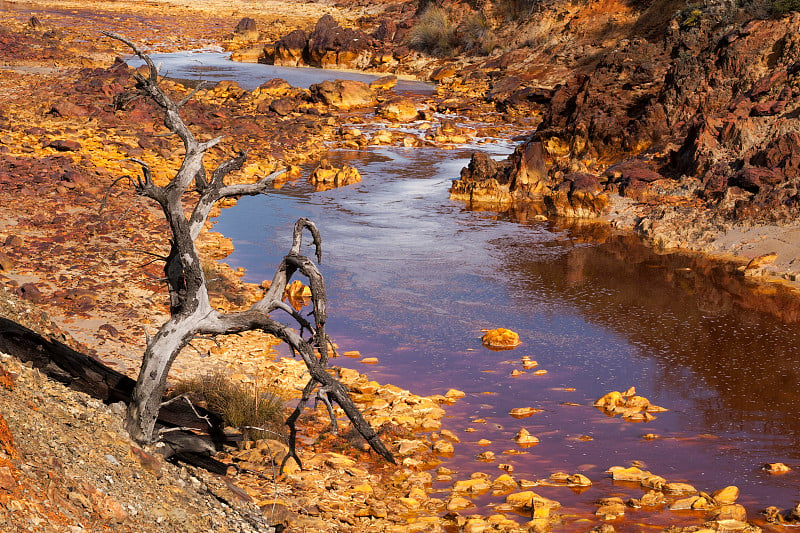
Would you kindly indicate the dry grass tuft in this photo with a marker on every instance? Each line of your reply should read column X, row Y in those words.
column 242, row 405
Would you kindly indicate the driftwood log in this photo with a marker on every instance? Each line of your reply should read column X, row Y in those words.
column 191, row 314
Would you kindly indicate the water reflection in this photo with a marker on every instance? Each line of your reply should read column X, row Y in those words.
column 414, row 277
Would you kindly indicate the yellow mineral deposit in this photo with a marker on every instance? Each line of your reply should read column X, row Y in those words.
column 355, row 354
column 297, row 294
column 726, row 496
column 484, row 442
column 523, row 412
column 474, row 486
column 500, row 339
column 620, row 473
column 528, row 363
column 449, row 435
column 503, row 485
column 454, row 394
column 628, row 405
column 443, row 447
column 370, row 360
column 458, row 503
column 776, row 468
column 486, row 457
column 524, row 439
column 530, row 502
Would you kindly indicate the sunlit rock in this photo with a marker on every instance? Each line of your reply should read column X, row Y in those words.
column 732, row 511
column 472, row 486
column 458, row 503
column 527, row 501
column 384, row 83
column 727, row 495
column 610, row 508
column 776, row 468
column 443, row 447
column 500, row 339
column 454, row 394
column 504, row 482
column 475, row 525
column 628, row 405
column 398, row 109
column 449, row 435
column 343, row 94
column 679, row 488
column 579, row 480
column 524, row 439
column 326, row 176
column 523, row 412
column 486, row 457
column 649, row 499
column 619, row 473
column 651, row 481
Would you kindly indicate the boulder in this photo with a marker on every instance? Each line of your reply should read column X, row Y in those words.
column 283, row 106
column 289, row 50
column 271, row 89
column 384, row 83
column 580, row 195
column 68, row 110
column 528, row 174
column 343, row 94
column 326, row 176
column 246, row 30
column 331, row 46
column 483, row 182
column 398, row 109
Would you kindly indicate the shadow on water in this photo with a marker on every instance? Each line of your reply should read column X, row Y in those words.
column 413, row 278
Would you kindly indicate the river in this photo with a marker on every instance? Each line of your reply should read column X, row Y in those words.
column 414, row 277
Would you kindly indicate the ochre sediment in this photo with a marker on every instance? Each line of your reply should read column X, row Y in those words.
column 664, row 147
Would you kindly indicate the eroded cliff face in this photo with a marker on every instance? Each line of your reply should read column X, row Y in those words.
column 703, row 112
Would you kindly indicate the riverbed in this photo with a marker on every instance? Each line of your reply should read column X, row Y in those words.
column 413, row 278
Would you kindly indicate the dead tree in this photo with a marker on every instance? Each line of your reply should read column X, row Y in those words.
column 191, row 314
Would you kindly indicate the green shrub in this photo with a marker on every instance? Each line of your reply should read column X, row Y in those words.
column 240, row 404
column 434, row 33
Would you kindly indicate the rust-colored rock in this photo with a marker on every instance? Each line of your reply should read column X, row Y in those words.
column 398, row 109
column 343, row 94
column 500, row 339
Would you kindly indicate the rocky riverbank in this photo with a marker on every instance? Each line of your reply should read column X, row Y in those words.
column 647, row 155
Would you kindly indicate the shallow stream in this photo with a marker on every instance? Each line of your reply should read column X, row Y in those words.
column 414, row 277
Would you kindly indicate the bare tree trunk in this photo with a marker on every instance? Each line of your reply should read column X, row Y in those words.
column 145, row 402
column 191, row 313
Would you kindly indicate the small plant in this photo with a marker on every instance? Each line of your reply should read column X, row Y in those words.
column 241, row 405
column 477, row 33
column 434, row 33
column 781, row 7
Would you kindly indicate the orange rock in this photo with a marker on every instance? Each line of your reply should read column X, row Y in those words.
column 7, row 441
column 500, row 339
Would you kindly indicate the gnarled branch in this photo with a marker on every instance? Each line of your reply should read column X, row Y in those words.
column 191, row 314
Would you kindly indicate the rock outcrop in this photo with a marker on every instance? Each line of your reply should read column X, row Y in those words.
column 329, row 45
